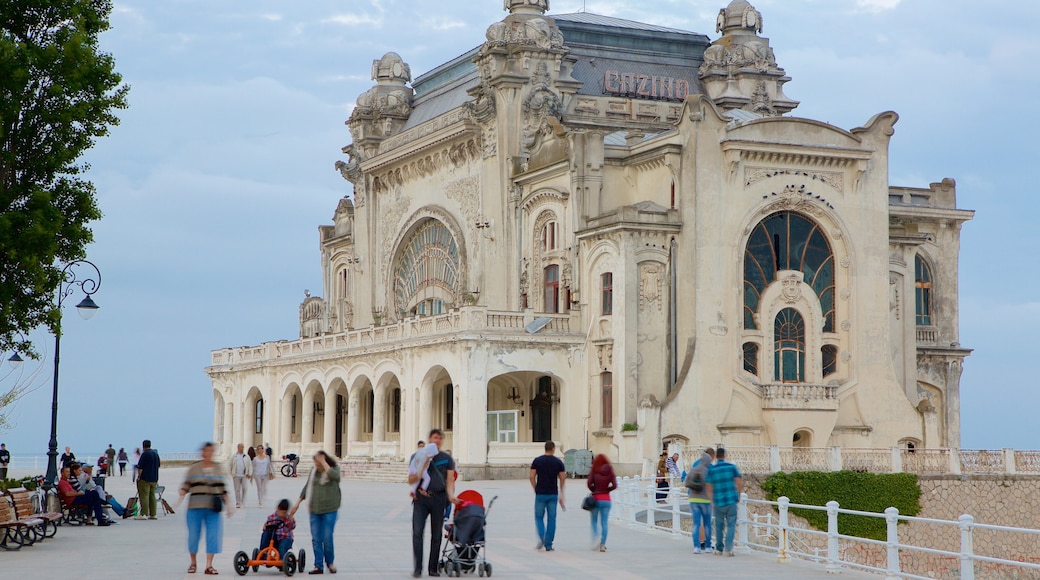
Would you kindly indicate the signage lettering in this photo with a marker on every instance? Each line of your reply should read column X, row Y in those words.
column 640, row 85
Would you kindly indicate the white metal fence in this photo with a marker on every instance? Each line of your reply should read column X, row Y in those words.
column 636, row 504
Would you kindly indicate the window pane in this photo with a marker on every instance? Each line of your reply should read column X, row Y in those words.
column 830, row 359
column 751, row 357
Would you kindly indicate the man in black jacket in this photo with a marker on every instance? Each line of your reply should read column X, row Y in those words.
column 147, row 480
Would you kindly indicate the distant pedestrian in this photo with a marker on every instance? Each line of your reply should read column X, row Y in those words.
column 5, row 461
column 672, row 465
column 700, row 501
column 662, row 477
column 601, row 482
column 68, row 457
column 209, row 497
column 122, row 458
column 325, row 497
column 725, row 485
column 147, row 480
column 548, row 476
column 251, row 453
column 262, row 473
column 137, row 462
column 110, row 460
column 430, row 503
column 241, row 468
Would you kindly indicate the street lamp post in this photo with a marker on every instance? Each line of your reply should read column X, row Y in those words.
column 89, row 284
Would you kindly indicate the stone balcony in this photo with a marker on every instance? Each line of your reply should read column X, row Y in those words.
column 799, row 396
column 927, row 335
column 466, row 323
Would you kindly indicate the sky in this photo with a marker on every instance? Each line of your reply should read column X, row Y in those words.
column 214, row 183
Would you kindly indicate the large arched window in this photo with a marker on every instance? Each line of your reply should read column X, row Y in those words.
column 788, row 241
column 923, row 291
column 789, row 346
column 427, row 270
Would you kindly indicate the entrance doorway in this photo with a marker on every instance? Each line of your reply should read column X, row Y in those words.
column 541, row 411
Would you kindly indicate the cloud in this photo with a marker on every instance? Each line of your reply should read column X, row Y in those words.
column 355, row 20
column 271, row 17
column 877, row 5
column 442, row 23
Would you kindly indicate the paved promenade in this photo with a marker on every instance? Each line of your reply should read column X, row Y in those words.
column 373, row 540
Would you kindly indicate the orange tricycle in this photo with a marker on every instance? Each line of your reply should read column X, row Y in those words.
column 269, row 557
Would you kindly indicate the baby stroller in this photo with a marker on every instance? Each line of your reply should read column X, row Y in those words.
column 464, row 549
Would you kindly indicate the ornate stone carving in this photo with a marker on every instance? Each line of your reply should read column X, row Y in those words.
column 796, row 198
column 605, row 354
column 540, row 111
column 482, row 110
column 383, row 109
column 893, row 296
column 791, row 287
column 565, row 274
column 466, row 192
column 539, row 33
column 449, row 157
column 719, row 328
column 846, row 325
column 651, row 280
column 753, row 175
column 512, row 5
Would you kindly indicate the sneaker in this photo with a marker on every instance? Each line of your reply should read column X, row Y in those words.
column 729, row 553
column 549, row 548
column 540, row 545
column 696, row 550
column 140, row 517
column 602, row 548
column 103, row 523
column 718, row 552
column 152, row 518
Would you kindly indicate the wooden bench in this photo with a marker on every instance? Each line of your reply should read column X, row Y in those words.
column 78, row 515
column 16, row 532
column 21, row 499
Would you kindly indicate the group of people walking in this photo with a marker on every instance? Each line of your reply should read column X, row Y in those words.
column 206, row 491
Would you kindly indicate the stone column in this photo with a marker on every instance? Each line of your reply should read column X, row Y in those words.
column 379, row 416
column 307, row 417
column 328, row 439
column 354, row 417
column 425, row 410
column 229, row 428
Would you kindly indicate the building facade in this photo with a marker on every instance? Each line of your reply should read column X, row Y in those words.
column 611, row 235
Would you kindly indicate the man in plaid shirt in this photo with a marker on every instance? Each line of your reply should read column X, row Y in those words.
column 283, row 535
column 724, row 484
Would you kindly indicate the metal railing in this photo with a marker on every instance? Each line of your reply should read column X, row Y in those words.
column 636, row 504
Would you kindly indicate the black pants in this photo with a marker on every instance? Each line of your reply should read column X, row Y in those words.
column 662, row 489
column 428, row 507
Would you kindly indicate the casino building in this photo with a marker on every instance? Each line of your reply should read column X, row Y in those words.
column 612, row 235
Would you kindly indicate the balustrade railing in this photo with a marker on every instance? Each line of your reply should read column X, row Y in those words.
column 470, row 318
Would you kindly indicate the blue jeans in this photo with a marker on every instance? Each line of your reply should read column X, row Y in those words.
column 599, row 519
column 701, row 513
column 116, row 506
column 725, row 514
column 545, row 505
column 282, row 546
column 199, row 517
column 322, row 528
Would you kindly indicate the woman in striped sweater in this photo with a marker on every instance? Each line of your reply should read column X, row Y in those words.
column 205, row 482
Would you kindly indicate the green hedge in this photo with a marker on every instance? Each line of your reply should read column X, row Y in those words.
column 868, row 492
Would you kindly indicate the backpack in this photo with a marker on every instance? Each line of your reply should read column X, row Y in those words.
column 694, row 481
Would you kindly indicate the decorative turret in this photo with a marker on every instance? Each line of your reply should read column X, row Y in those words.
column 740, row 70
column 526, row 6
column 382, row 110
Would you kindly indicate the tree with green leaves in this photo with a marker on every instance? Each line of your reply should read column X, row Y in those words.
column 58, row 94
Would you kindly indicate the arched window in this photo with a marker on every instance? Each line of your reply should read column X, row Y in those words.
column 259, row 416
column 788, row 241
column 923, row 291
column 552, row 289
column 449, row 407
column 751, row 357
column 789, row 346
column 292, row 417
column 829, row 355
column 427, row 270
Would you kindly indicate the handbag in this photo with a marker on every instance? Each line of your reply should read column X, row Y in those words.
column 218, row 503
column 589, row 503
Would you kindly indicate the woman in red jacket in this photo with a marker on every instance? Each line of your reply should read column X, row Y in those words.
column 601, row 482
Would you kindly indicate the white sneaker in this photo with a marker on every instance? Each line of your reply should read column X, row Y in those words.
column 729, row 553
column 696, row 550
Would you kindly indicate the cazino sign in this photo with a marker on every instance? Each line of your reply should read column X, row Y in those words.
column 634, row 84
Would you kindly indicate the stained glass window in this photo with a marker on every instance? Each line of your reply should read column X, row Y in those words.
column 789, row 346
column 788, row 241
column 751, row 357
column 829, row 354
column 429, row 260
column 923, row 291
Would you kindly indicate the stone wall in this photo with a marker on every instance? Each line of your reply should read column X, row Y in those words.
column 994, row 500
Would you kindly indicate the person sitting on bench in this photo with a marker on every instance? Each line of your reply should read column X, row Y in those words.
column 73, row 496
column 86, row 480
